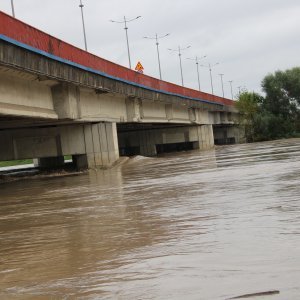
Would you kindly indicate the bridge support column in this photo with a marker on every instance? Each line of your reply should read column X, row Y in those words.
column 205, row 137
column 147, row 143
column 49, row 162
column 101, row 146
column 228, row 134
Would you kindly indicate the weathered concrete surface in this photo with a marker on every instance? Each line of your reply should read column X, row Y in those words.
column 22, row 95
column 47, row 69
column 27, row 96
column 36, row 86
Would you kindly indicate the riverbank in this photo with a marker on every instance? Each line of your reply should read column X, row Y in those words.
column 11, row 163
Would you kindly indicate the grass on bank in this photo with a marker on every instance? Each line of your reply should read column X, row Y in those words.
column 10, row 163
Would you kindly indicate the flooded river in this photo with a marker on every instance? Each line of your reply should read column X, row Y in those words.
column 194, row 225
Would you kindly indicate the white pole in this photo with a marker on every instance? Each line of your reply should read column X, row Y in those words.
column 12, row 8
column 231, row 89
column 128, row 51
column 84, row 34
column 221, row 75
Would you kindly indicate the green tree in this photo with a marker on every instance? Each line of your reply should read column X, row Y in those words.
column 277, row 115
column 292, row 84
column 282, row 100
column 248, row 105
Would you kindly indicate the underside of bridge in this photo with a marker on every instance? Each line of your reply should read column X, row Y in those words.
column 152, row 139
column 101, row 144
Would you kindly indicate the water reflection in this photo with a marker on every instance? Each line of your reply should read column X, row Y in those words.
column 194, row 225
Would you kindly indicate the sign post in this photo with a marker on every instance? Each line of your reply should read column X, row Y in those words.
column 139, row 68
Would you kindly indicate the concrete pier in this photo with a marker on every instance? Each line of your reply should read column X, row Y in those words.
column 101, row 144
column 49, row 162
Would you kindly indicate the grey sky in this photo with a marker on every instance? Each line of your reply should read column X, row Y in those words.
column 249, row 38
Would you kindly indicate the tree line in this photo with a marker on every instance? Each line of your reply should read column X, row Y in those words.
column 276, row 114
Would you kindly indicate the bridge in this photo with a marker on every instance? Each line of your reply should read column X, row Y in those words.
column 57, row 100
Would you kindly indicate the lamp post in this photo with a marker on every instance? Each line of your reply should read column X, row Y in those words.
column 210, row 66
column 12, row 8
column 126, row 29
column 230, row 81
column 196, row 59
column 157, row 38
column 179, row 50
column 221, row 75
column 83, row 26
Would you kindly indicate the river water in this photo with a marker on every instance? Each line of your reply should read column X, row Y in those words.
column 193, row 225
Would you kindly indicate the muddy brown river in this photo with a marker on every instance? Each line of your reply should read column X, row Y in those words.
column 194, row 225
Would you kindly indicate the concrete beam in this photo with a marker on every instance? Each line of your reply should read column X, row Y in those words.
column 25, row 97
column 23, row 59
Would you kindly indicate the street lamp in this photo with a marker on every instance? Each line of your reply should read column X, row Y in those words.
column 179, row 55
column 84, row 34
column 157, row 48
column 230, row 81
column 210, row 66
column 126, row 29
column 221, row 75
column 12, row 8
column 196, row 59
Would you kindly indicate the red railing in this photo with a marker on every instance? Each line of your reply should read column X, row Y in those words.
column 28, row 35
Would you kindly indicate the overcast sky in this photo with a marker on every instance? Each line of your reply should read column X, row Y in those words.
column 249, row 38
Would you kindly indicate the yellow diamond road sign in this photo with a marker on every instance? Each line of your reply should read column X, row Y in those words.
column 139, row 67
